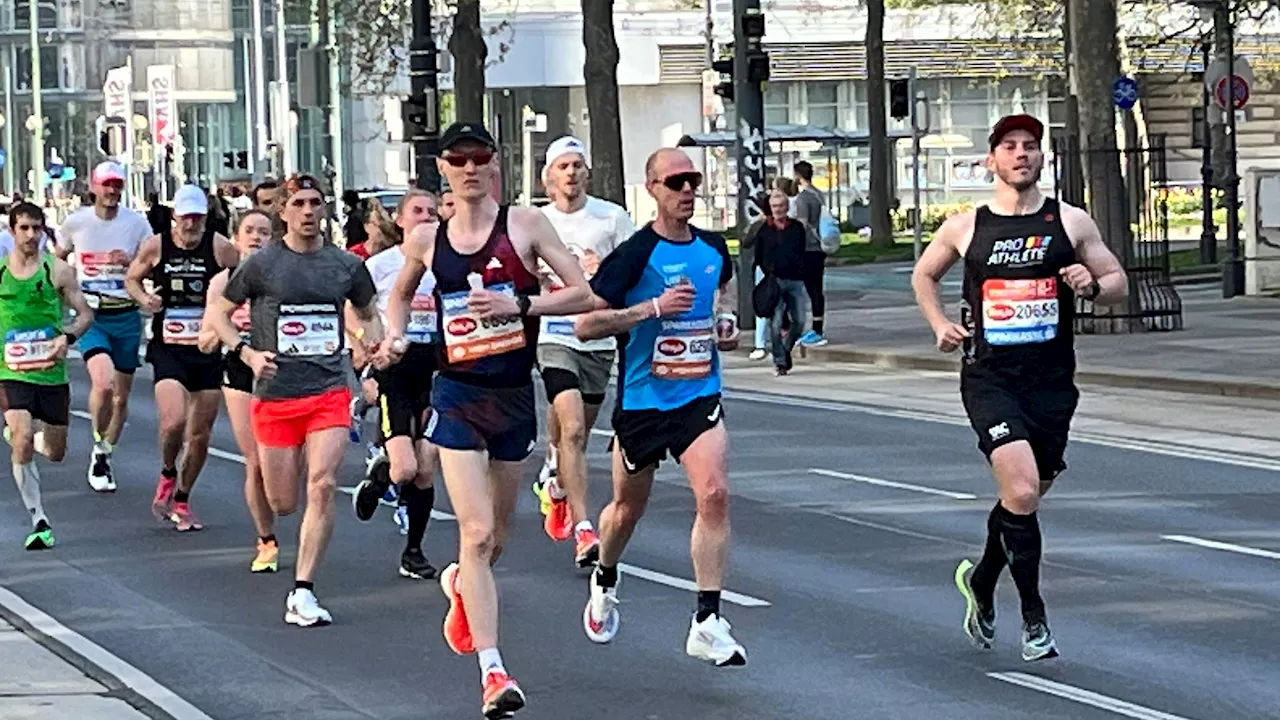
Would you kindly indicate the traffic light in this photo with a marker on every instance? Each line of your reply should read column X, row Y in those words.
column 242, row 159
column 229, row 160
column 725, row 87
column 757, row 66
column 113, row 136
column 900, row 98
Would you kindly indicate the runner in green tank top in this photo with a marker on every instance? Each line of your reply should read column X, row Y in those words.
column 34, row 288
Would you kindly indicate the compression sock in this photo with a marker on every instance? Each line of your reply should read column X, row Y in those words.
column 418, row 503
column 1022, row 544
column 987, row 572
column 708, row 604
column 27, row 478
column 606, row 577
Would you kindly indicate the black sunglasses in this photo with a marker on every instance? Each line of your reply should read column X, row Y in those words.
column 677, row 182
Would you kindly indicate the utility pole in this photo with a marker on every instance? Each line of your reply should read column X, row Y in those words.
column 37, row 106
column 333, row 121
column 750, row 72
column 10, row 160
column 259, row 93
column 1233, row 267
column 1208, row 230
column 421, row 112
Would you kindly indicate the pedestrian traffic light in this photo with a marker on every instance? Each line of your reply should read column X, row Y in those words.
column 229, row 160
column 242, row 160
column 725, row 87
column 757, row 66
column 900, row 98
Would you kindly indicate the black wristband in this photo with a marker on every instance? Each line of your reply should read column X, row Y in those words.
column 239, row 348
column 71, row 338
column 1093, row 291
column 524, row 303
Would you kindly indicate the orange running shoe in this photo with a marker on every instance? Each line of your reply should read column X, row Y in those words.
column 502, row 696
column 162, row 503
column 457, row 631
column 558, row 522
column 587, row 547
column 183, row 519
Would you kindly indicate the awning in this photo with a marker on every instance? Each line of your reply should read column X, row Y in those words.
column 791, row 134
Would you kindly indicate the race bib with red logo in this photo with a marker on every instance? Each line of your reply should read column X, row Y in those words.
column 102, row 279
column 1019, row 312
column 182, row 325
column 26, row 350
column 684, row 350
column 308, row 330
column 240, row 319
column 422, row 320
column 467, row 336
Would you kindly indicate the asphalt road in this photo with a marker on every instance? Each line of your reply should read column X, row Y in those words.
column 854, row 562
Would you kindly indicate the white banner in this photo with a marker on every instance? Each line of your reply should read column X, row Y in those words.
column 160, row 105
column 116, row 100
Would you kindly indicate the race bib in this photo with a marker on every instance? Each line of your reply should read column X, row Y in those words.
column 467, row 336
column 240, row 319
column 1019, row 312
column 99, row 275
column 308, row 331
column 422, row 320
column 684, row 350
column 560, row 325
column 182, row 325
column 29, row 349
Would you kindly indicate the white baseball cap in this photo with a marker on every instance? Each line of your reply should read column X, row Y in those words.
column 107, row 171
column 190, row 200
column 564, row 146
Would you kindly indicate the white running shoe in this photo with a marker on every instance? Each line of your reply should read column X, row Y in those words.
column 100, row 478
column 710, row 640
column 302, row 609
column 758, row 354
column 600, row 619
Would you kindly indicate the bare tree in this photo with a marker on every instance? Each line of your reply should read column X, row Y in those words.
column 881, row 150
column 600, row 71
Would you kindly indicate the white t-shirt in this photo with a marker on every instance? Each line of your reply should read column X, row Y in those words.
column 590, row 234
column 385, row 268
column 92, row 241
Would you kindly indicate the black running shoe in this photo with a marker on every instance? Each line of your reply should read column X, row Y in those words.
column 369, row 492
column 414, row 565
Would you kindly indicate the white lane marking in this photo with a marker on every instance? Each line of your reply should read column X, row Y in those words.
column 435, row 514
column 893, row 484
column 1084, row 697
column 216, row 452
column 1229, row 547
column 602, row 433
column 1147, row 446
column 682, row 584
column 128, row 675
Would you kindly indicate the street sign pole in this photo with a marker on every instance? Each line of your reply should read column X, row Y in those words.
column 1233, row 268
column 748, row 99
column 918, row 223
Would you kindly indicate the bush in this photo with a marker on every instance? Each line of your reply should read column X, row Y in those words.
column 934, row 215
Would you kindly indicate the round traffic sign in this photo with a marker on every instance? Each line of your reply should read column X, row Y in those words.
column 1241, row 88
column 1125, row 93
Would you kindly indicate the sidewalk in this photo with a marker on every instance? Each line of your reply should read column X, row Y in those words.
column 1227, row 347
column 36, row 684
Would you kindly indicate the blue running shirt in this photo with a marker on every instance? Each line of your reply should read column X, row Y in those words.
column 666, row 363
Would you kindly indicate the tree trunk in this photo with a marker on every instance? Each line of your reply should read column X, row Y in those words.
column 470, row 54
column 600, row 71
column 881, row 150
column 1097, row 62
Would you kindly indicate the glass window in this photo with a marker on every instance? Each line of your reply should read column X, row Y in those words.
column 822, row 103
column 48, row 67
column 821, row 93
column 22, row 17
column 968, row 114
column 1018, row 95
column 777, row 104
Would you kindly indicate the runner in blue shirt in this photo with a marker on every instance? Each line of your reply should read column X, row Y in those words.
column 667, row 291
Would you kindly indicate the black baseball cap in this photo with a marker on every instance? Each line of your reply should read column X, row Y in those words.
column 1009, row 123
column 460, row 132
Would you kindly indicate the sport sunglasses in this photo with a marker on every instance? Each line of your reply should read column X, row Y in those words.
column 677, row 182
column 459, row 160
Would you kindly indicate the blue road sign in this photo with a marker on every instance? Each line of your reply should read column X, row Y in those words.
column 55, row 170
column 3, row 157
column 1125, row 93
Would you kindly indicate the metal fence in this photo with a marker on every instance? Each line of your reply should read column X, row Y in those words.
column 1154, row 303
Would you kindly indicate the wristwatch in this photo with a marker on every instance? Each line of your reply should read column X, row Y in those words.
column 524, row 303
column 1092, row 291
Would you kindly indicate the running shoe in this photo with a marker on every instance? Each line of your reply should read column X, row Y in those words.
column 268, row 558
column 540, row 492
column 414, row 565
column 812, row 339
column 369, row 492
column 457, row 631
column 710, row 640
column 979, row 621
column 758, row 354
column 401, row 519
column 100, row 478
column 502, row 696
column 302, row 609
column 558, row 523
column 183, row 519
column 162, row 503
column 600, row 619
column 587, row 547
column 41, row 538
column 8, row 434
column 1037, row 641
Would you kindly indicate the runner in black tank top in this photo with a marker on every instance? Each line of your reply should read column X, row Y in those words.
column 187, row 380
column 1024, row 266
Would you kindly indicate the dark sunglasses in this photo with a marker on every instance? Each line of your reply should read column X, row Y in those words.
column 479, row 157
column 677, row 182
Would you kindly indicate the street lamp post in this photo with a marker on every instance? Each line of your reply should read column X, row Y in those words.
column 1233, row 268
column 37, row 106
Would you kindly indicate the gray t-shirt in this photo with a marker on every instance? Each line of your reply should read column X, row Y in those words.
column 809, row 211
column 296, row 303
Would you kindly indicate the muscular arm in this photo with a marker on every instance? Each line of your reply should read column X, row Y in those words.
column 1093, row 253
column 143, row 263
column 65, row 278
column 367, row 315
column 933, row 265
column 208, row 341
column 576, row 295
column 418, row 250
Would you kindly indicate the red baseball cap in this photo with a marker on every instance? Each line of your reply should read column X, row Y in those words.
column 1009, row 123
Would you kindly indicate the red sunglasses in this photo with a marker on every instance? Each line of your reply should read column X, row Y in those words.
column 479, row 157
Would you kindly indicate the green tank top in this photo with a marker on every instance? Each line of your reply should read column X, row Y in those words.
column 30, row 320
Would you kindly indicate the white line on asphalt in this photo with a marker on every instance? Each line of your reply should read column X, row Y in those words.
column 602, row 433
column 682, row 584
column 1084, row 697
column 1229, row 547
column 435, row 514
column 893, row 484
column 128, row 675
column 1157, row 448
column 216, row 452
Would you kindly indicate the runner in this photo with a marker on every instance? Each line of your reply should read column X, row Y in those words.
column 35, row 287
column 1026, row 260
column 661, row 287
column 297, row 290
column 104, row 239
column 180, row 264
column 253, row 231
column 575, row 373
column 484, row 260
column 404, row 399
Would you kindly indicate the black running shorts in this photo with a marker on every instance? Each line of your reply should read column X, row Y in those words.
column 1035, row 409
column 50, row 404
column 404, row 393
column 647, row 436
column 196, row 371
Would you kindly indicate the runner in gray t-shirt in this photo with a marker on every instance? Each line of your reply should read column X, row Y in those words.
column 297, row 290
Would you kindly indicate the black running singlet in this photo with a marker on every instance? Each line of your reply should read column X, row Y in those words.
column 1016, row 305
column 494, row 352
column 181, row 280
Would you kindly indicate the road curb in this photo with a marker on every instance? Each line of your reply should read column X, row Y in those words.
column 1222, row 386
